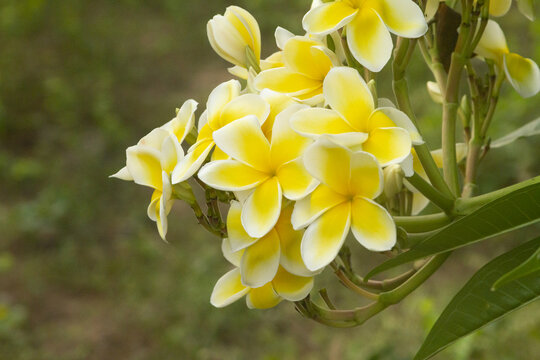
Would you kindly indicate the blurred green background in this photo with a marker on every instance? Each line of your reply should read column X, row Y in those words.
column 83, row 272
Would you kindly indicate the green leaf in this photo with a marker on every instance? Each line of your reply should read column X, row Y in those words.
column 529, row 129
column 475, row 305
column 512, row 211
column 529, row 266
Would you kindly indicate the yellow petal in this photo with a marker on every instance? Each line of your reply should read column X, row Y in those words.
column 247, row 27
column 226, row 40
column 400, row 119
column 311, row 207
column 286, row 144
column 492, row 44
column 499, row 7
column 372, row 225
column 171, row 153
column 193, row 160
column 165, row 205
column 154, row 139
column 312, row 98
column 369, row 40
column 153, row 207
column 218, row 154
column 219, row 97
column 260, row 261
column 144, row 165
column 238, row 237
column 261, row 209
column 278, row 102
column 313, row 122
column 330, row 164
column 402, row 17
column 243, row 140
column 327, row 18
column 286, row 81
column 301, row 55
column 239, row 72
column 292, row 287
column 388, row 145
column 294, row 179
column 262, row 298
column 325, row 236
column 182, row 124
column 290, row 241
column 366, row 177
column 347, row 93
column 228, row 289
column 231, row 175
column 523, row 74
column 234, row 257
column 242, row 106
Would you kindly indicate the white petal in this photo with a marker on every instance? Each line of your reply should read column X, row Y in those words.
column 123, row 174
column 228, row 289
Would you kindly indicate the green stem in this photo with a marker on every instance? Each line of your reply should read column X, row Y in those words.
column 355, row 317
column 396, row 295
column 450, row 103
column 466, row 206
column 422, row 223
column 443, row 202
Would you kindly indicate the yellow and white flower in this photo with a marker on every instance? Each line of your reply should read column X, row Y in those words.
column 261, row 257
column 229, row 288
column 225, row 104
column 306, row 63
column 232, row 34
column 344, row 200
column 501, row 7
column 522, row 73
column 368, row 25
column 151, row 162
column 269, row 169
column 353, row 121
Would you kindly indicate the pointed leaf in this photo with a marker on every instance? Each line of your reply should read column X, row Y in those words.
column 512, row 211
column 529, row 266
column 529, row 129
column 475, row 305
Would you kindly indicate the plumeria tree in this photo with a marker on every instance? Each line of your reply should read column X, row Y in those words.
column 299, row 159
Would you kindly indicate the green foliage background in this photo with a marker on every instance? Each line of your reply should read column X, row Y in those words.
column 83, row 273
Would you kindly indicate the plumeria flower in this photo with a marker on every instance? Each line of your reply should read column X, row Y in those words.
column 419, row 200
column 152, row 160
column 344, row 200
column 262, row 257
column 522, row 73
column 284, row 285
column 353, row 121
column 225, row 104
column 501, row 7
column 306, row 63
column 368, row 26
column 235, row 34
column 269, row 169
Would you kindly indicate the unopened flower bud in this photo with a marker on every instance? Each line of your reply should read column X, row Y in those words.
column 393, row 180
column 235, row 36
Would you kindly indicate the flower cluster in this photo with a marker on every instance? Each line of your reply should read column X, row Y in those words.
column 300, row 147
